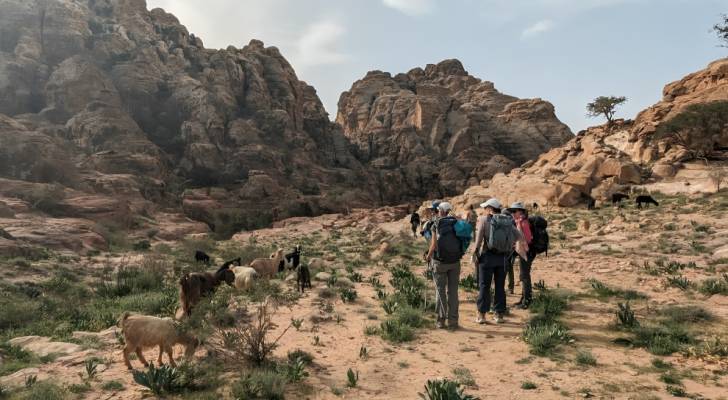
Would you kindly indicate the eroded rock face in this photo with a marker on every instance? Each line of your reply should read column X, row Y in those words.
column 95, row 92
column 601, row 161
column 439, row 129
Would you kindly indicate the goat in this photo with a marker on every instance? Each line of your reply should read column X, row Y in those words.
column 244, row 277
column 201, row 256
column 535, row 206
column 618, row 197
column 196, row 285
column 235, row 261
column 267, row 267
column 303, row 277
column 645, row 199
column 143, row 331
column 290, row 260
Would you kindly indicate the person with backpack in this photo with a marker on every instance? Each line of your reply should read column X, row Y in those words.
column 472, row 218
column 520, row 215
column 415, row 222
column 427, row 226
column 443, row 259
column 495, row 240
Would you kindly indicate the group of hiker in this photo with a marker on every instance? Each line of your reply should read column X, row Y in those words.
column 500, row 235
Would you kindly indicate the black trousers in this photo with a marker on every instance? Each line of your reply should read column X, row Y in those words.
column 509, row 272
column 525, row 276
column 492, row 272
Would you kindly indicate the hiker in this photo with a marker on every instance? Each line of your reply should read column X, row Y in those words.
column 520, row 215
column 472, row 218
column 509, row 268
column 494, row 243
column 415, row 222
column 427, row 226
column 443, row 259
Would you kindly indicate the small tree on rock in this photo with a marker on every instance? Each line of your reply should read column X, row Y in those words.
column 721, row 29
column 605, row 106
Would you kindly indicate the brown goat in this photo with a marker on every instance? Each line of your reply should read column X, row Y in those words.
column 196, row 285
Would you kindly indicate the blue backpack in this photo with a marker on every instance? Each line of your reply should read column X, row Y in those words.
column 464, row 232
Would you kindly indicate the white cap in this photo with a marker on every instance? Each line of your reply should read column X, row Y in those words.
column 491, row 203
column 445, row 206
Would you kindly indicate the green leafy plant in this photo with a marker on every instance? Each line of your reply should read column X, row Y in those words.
column 363, row 352
column 158, row 380
column 464, row 377
column 91, row 366
column 444, row 389
column 300, row 354
column 348, row 295
column 540, row 285
column 544, row 337
column 260, row 384
column 296, row 371
column 469, row 283
column 112, row 386
column 390, row 305
column 625, row 316
column 395, row 331
column 30, row 380
column 713, row 286
column 585, row 358
column 676, row 391
column 297, row 323
column 679, row 282
column 356, row 277
column 528, row 385
column 352, row 378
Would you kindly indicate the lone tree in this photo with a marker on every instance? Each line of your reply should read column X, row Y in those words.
column 605, row 105
column 721, row 29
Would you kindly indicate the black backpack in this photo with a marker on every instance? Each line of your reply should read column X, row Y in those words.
column 540, row 242
column 449, row 248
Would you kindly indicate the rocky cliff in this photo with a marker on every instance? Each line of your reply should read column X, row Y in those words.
column 107, row 97
column 631, row 155
column 437, row 130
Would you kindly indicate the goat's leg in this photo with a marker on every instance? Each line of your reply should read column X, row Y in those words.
column 127, row 350
column 141, row 356
column 159, row 359
column 170, row 353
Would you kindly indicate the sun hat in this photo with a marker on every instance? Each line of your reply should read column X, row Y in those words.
column 517, row 206
column 494, row 203
column 435, row 204
column 444, row 206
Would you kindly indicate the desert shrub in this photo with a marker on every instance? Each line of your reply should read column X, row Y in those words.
column 395, row 331
column 586, row 358
column 602, row 290
column 42, row 391
column 469, row 283
column 295, row 370
column 548, row 303
column 444, row 389
column 714, row 346
column 252, row 342
column 352, row 378
column 129, row 280
column 625, row 316
column 679, row 282
column 528, row 385
column 300, row 354
column 15, row 358
column 686, row 314
column 662, row 340
column 676, row 391
column 409, row 316
column 544, row 336
column 463, row 376
column 347, row 295
column 159, row 380
column 260, row 384
column 114, row 386
column 713, row 286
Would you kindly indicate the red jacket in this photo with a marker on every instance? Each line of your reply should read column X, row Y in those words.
column 525, row 228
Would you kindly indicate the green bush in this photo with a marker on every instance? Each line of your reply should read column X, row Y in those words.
column 114, row 386
column 347, row 295
column 158, row 380
column 679, row 282
column 586, row 358
column 397, row 332
column 686, row 314
column 469, row 283
column 713, row 286
column 260, row 384
column 528, row 385
column 601, row 290
column 444, row 389
column 543, row 337
column 625, row 316
column 42, row 391
column 14, row 358
column 548, row 303
column 352, row 378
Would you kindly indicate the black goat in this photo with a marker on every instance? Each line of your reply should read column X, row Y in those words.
column 645, row 199
column 227, row 264
column 591, row 203
column 535, row 206
column 303, row 277
column 194, row 286
column 201, row 256
column 292, row 260
column 618, row 197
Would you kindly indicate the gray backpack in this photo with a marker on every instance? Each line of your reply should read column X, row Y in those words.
column 502, row 235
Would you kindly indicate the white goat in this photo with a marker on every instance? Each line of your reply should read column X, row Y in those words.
column 143, row 331
column 244, row 277
column 268, row 267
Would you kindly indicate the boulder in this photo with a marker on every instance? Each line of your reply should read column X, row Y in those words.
column 322, row 276
column 43, row 346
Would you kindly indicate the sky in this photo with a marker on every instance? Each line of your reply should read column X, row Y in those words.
column 565, row 51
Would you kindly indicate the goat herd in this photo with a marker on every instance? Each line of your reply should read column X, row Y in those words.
column 142, row 331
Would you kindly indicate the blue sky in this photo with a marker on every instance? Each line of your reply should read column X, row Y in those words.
column 564, row 51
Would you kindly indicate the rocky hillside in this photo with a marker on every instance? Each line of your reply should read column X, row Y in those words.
column 639, row 155
column 108, row 99
column 437, row 130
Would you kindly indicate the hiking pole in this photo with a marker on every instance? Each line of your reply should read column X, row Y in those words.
column 438, row 295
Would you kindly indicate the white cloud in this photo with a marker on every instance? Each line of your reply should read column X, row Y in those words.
column 411, row 7
column 319, row 45
column 538, row 28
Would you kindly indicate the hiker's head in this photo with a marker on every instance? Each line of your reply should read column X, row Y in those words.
column 444, row 208
column 492, row 206
column 518, row 210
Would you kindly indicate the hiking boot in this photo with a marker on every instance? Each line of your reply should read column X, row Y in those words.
column 525, row 304
column 452, row 326
column 520, row 302
column 498, row 318
column 480, row 319
column 439, row 325
column 511, row 290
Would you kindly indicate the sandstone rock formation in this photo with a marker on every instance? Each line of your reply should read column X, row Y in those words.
column 602, row 160
column 119, row 106
column 436, row 130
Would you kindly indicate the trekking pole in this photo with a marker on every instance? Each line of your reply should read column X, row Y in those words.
column 438, row 295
